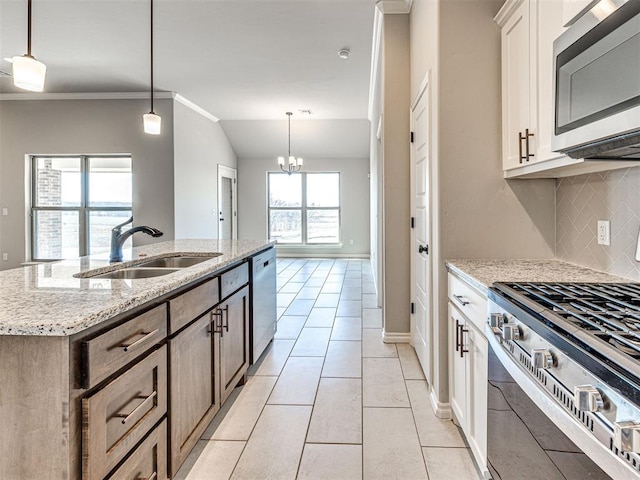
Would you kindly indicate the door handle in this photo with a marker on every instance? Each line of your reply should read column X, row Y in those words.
column 423, row 249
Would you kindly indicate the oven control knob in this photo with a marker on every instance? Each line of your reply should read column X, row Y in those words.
column 626, row 436
column 542, row 358
column 495, row 321
column 588, row 398
column 510, row 331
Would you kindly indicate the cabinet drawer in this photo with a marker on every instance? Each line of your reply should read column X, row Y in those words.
column 190, row 305
column 468, row 301
column 149, row 460
column 121, row 413
column 106, row 353
column 234, row 279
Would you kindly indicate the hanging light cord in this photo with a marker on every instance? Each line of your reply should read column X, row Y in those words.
column 29, row 28
column 151, row 17
column 289, row 115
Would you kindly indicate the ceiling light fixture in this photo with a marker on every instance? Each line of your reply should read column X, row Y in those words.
column 294, row 163
column 344, row 53
column 28, row 73
column 152, row 122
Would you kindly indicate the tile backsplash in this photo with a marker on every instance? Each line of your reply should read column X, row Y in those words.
column 583, row 200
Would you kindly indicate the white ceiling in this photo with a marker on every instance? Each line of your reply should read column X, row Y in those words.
column 245, row 61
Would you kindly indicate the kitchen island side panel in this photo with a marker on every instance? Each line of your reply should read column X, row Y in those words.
column 34, row 407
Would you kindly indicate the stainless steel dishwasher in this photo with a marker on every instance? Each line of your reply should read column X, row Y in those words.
column 263, row 314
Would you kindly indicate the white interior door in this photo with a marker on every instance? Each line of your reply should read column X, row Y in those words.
column 421, row 327
column 227, row 203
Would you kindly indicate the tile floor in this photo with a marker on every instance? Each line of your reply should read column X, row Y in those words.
column 328, row 399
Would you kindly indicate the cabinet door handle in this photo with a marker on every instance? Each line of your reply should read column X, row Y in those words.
column 527, row 135
column 462, row 332
column 520, row 138
column 125, row 417
column 226, row 323
column 461, row 300
column 146, row 336
column 217, row 327
column 457, row 335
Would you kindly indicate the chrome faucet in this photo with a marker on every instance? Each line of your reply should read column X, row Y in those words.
column 118, row 238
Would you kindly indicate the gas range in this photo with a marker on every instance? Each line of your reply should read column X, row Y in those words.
column 580, row 344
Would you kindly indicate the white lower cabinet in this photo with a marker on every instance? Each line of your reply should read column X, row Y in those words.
column 468, row 356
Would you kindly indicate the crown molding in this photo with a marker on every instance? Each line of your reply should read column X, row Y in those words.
column 85, row 96
column 394, row 7
column 189, row 104
column 110, row 96
column 376, row 49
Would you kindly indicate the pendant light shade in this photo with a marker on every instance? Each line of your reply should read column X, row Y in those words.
column 151, row 121
column 28, row 73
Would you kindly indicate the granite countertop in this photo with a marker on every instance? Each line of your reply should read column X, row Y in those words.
column 482, row 273
column 48, row 300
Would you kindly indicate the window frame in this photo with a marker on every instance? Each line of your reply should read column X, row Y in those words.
column 303, row 208
column 84, row 209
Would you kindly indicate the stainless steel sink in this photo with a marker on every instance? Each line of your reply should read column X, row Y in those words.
column 133, row 273
column 181, row 261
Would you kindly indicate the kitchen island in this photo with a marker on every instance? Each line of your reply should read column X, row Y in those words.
column 92, row 369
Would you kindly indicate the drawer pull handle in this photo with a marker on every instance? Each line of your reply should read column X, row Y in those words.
column 126, row 417
column 461, row 300
column 146, row 336
column 153, row 476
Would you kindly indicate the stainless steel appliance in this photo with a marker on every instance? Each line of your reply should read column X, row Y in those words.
column 597, row 83
column 564, row 381
column 263, row 313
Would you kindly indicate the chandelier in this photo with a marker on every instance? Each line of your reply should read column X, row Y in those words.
column 294, row 163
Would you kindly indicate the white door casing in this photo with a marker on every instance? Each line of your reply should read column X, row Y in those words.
column 227, row 203
column 421, row 322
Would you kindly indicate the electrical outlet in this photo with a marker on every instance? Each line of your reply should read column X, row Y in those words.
column 5, row 211
column 604, row 232
column 5, row 257
column 351, row 242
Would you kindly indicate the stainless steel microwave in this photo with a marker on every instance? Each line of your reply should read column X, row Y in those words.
column 597, row 83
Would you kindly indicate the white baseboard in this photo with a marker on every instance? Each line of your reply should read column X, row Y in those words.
column 441, row 410
column 281, row 254
column 391, row 337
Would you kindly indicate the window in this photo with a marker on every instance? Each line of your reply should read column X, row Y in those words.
column 304, row 208
column 75, row 202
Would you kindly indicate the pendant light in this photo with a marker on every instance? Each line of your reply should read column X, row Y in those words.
column 294, row 163
column 152, row 122
column 28, row 73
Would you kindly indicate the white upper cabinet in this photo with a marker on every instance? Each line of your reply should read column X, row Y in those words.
column 528, row 29
column 572, row 10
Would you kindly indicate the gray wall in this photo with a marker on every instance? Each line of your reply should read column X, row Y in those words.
column 354, row 197
column 395, row 166
column 200, row 146
column 582, row 201
column 85, row 127
column 477, row 213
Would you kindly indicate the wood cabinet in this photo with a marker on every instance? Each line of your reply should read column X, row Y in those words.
column 208, row 358
column 468, row 357
column 127, row 398
column 195, row 396
column 234, row 341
